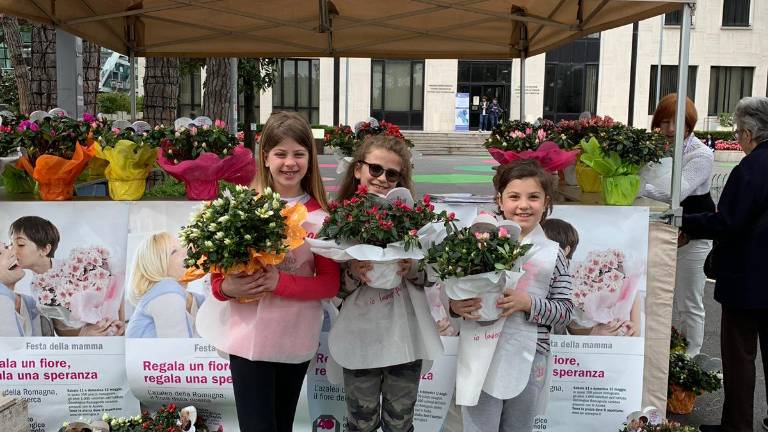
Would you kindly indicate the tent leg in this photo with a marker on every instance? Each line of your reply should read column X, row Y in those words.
column 132, row 79
column 233, row 99
column 522, row 88
column 682, row 86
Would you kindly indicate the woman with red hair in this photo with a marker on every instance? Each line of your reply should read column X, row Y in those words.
column 698, row 161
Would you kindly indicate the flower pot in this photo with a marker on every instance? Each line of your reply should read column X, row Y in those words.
column 205, row 190
column 621, row 190
column 587, row 178
column 56, row 190
column 17, row 181
column 127, row 190
column 384, row 275
column 569, row 175
column 680, row 401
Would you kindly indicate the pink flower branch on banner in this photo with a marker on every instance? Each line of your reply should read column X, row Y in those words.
column 201, row 176
column 550, row 156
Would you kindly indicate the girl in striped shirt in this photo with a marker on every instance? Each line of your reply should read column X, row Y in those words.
column 524, row 195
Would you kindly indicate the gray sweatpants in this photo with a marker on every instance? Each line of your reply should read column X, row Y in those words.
column 511, row 415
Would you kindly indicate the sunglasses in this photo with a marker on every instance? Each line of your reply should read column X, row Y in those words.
column 377, row 170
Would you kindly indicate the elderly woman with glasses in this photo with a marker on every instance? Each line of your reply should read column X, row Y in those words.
column 740, row 229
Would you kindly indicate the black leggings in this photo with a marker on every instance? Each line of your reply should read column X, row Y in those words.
column 266, row 393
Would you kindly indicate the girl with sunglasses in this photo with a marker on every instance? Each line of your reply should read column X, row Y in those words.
column 385, row 395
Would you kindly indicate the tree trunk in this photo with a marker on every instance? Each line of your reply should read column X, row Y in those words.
column 249, row 97
column 161, row 90
column 21, row 73
column 217, row 89
column 43, row 71
column 91, row 70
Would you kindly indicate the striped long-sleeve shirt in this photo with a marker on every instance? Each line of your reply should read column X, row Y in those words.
column 556, row 309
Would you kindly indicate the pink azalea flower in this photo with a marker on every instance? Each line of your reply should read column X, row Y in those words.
column 503, row 232
column 220, row 124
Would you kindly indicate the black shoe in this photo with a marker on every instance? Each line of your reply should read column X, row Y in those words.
column 765, row 423
column 710, row 428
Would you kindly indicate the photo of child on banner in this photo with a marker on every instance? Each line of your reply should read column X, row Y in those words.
column 77, row 287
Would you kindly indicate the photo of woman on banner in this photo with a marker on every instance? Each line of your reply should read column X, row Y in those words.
column 79, row 294
column 19, row 315
column 164, row 307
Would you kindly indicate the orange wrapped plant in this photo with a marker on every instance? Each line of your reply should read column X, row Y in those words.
column 57, row 151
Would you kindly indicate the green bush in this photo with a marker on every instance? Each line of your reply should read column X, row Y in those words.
column 716, row 135
column 111, row 103
column 9, row 94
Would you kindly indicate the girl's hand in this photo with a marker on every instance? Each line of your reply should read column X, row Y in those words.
column 360, row 269
column 628, row 328
column 445, row 328
column 467, row 308
column 514, row 301
column 404, row 267
column 241, row 284
column 267, row 282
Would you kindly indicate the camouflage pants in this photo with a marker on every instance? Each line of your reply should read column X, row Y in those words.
column 393, row 388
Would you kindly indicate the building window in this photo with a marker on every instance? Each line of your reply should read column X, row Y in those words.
column 570, row 79
column 673, row 18
column 669, row 83
column 297, row 88
column 727, row 85
column 397, row 92
column 736, row 13
column 190, row 95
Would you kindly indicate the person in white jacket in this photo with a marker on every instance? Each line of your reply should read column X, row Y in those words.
column 698, row 161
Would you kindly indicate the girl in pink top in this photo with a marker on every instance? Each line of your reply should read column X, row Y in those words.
column 271, row 341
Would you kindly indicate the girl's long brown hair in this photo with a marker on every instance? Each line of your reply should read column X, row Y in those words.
column 282, row 125
column 396, row 145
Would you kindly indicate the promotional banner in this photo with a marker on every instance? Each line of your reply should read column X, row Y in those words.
column 166, row 360
column 462, row 112
column 62, row 314
column 597, row 361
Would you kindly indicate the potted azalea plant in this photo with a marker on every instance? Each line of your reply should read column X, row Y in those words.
column 57, row 151
column 201, row 156
column 513, row 140
column 687, row 377
column 478, row 261
column 344, row 140
column 15, row 180
column 167, row 419
column 241, row 232
column 383, row 230
column 129, row 158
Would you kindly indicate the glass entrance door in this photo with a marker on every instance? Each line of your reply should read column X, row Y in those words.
column 484, row 78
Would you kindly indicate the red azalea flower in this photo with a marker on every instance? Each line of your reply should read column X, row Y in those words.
column 362, row 190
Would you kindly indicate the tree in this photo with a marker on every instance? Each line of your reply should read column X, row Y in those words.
column 91, row 70
column 12, row 36
column 161, row 90
column 9, row 91
column 43, row 71
column 255, row 76
column 217, row 88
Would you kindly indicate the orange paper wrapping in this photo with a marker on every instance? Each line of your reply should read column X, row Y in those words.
column 55, row 175
column 294, row 216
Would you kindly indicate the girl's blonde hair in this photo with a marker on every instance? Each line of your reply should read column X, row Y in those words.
column 150, row 264
column 282, row 125
column 396, row 145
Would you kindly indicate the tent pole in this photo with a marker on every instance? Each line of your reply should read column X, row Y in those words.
column 132, row 78
column 682, row 86
column 234, row 99
column 658, row 65
column 522, row 87
column 346, row 91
